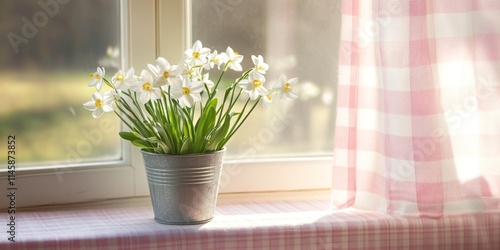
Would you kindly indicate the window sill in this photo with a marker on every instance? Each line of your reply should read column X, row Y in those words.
column 291, row 220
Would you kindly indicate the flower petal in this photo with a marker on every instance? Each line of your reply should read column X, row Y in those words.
column 145, row 97
column 97, row 113
column 90, row 105
column 197, row 87
column 291, row 95
column 107, row 108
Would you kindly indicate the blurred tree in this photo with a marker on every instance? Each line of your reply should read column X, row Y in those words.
column 74, row 36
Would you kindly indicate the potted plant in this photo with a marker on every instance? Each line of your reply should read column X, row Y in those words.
column 176, row 116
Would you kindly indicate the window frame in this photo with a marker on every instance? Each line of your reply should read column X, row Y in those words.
column 144, row 38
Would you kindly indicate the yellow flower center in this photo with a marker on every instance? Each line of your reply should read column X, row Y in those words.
column 119, row 77
column 287, row 86
column 236, row 53
column 91, row 75
column 98, row 103
column 146, row 86
column 257, row 83
column 97, row 76
column 196, row 54
column 166, row 74
column 186, row 90
column 269, row 97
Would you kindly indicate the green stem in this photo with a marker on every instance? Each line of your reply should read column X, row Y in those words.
column 233, row 100
column 218, row 81
column 124, row 121
column 135, row 120
column 236, row 126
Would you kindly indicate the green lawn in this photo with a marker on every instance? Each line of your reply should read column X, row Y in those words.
column 45, row 113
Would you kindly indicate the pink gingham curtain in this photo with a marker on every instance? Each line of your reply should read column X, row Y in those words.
column 418, row 117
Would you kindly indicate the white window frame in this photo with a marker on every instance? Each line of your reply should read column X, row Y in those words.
column 152, row 28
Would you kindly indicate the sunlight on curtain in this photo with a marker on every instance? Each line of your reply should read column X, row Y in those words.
column 418, row 120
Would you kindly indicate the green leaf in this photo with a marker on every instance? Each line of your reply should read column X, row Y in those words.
column 206, row 116
column 207, row 123
column 150, row 150
column 217, row 139
column 187, row 126
column 142, row 144
column 212, row 103
column 186, row 146
column 164, row 138
column 129, row 136
column 162, row 148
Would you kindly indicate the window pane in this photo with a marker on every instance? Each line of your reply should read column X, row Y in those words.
column 49, row 49
column 295, row 37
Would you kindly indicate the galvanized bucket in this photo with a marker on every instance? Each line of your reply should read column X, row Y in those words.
column 183, row 187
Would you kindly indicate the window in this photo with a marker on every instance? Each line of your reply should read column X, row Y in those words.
column 48, row 50
column 75, row 43
column 252, row 164
column 295, row 37
column 150, row 28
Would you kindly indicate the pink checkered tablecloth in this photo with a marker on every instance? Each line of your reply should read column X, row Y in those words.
column 259, row 225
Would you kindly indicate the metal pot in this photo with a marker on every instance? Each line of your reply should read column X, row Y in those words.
column 183, row 188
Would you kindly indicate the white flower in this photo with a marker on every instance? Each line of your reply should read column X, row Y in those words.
column 184, row 69
column 285, row 87
column 260, row 65
column 112, row 95
column 97, row 78
column 216, row 59
column 234, row 59
column 197, row 55
column 113, row 52
column 98, row 105
column 268, row 98
column 165, row 73
column 254, row 85
column 187, row 92
column 207, row 81
column 144, row 85
column 195, row 74
column 122, row 80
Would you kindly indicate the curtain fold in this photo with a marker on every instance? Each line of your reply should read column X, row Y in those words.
column 418, row 112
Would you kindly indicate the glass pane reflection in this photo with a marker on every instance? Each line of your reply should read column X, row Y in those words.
column 48, row 49
column 297, row 37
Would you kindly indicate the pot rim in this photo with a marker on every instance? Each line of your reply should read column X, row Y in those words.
column 184, row 155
